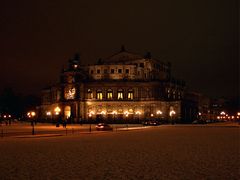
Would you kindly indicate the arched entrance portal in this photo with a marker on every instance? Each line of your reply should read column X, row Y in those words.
column 67, row 112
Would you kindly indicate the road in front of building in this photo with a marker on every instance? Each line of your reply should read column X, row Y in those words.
column 23, row 129
column 164, row 152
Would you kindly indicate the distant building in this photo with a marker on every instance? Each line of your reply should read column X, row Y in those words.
column 122, row 87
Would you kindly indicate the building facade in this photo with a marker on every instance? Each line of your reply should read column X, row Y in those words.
column 122, row 87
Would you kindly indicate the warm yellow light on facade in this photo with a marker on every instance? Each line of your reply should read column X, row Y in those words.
column 152, row 115
column 159, row 112
column 114, row 112
column 48, row 113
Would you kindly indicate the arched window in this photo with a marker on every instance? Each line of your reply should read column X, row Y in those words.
column 109, row 94
column 120, row 94
column 99, row 94
column 90, row 94
column 130, row 94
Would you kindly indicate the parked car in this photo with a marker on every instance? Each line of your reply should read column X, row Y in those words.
column 151, row 123
column 103, row 127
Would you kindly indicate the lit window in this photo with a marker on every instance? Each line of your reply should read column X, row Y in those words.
column 90, row 94
column 120, row 94
column 168, row 93
column 130, row 94
column 99, row 95
column 109, row 94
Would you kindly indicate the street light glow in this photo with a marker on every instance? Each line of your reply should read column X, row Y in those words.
column 172, row 112
column 159, row 112
column 138, row 112
column 57, row 110
column 222, row 113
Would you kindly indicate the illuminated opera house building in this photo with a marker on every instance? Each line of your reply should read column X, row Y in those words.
column 122, row 86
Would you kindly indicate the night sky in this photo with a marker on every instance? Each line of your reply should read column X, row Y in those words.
column 199, row 38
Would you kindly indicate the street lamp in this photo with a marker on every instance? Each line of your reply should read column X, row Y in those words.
column 159, row 113
column 172, row 113
column 90, row 120
column 57, row 110
column 126, row 115
column 114, row 113
column 32, row 114
column 138, row 113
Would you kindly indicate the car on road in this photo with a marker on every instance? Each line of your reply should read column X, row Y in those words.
column 151, row 123
column 103, row 127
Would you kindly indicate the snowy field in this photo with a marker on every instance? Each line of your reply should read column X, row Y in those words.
column 164, row 152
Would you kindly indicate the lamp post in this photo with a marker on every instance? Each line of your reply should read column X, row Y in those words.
column 172, row 113
column 126, row 115
column 159, row 113
column 57, row 111
column 90, row 121
column 138, row 113
column 114, row 114
column 31, row 115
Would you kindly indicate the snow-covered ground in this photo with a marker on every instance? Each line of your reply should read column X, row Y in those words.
column 164, row 152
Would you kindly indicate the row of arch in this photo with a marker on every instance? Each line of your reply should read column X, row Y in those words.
column 109, row 94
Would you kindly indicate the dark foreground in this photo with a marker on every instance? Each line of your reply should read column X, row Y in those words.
column 164, row 152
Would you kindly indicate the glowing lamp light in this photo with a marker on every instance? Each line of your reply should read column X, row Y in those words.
column 199, row 114
column 4, row 116
column 159, row 112
column 48, row 113
column 238, row 113
column 57, row 110
column 103, row 112
column 138, row 112
column 126, row 113
column 171, row 113
column 218, row 117
column 222, row 113
column 92, row 112
column 152, row 115
column 31, row 114
column 114, row 112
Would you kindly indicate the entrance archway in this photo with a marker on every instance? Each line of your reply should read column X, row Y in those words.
column 67, row 112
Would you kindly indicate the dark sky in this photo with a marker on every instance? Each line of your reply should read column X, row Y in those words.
column 199, row 38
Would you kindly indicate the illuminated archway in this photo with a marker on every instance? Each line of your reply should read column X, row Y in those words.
column 67, row 112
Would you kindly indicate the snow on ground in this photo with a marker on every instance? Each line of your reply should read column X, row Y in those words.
column 164, row 152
